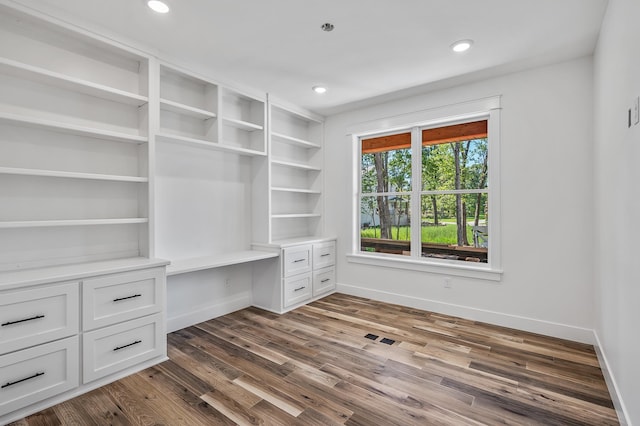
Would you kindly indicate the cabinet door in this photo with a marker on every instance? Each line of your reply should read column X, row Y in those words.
column 34, row 374
column 297, row 289
column 324, row 254
column 38, row 315
column 324, row 280
column 297, row 260
column 112, row 349
column 120, row 297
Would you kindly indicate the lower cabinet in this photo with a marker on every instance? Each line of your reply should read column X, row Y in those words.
column 37, row 373
column 306, row 271
column 111, row 349
column 55, row 344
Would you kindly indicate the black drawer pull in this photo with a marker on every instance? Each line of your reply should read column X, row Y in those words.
column 325, row 280
column 128, row 297
column 299, row 260
column 300, row 288
column 325, row 254
column 22, row 380
column 126, row 346
column 22, row 320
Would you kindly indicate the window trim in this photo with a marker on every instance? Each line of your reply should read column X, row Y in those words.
column 482, row 109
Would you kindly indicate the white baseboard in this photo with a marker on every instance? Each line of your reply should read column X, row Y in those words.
column 208, row 312
column 547, row 328
column 618, row 403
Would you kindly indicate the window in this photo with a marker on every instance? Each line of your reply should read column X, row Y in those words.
column 425, row 193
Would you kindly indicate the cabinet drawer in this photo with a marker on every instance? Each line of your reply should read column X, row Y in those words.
column 111, row 349
column 120, row 297
column 34, row 374
column 297, row 260
column 324, row 254
column 297, row 289
column 38, row 315
column 324, row 280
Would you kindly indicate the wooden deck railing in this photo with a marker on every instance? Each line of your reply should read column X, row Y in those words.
column 473, row 254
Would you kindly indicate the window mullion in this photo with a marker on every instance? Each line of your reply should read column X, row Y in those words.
column 416, row 187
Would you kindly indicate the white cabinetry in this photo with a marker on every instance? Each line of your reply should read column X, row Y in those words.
column 295, row 175
column 119, row 319
column 306, row 272
column 74, row 136
column 198, row 112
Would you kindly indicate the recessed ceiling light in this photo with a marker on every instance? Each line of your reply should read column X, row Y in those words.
column 327, row 26
column 461, row 45
column 319, row 89
column 158, row 6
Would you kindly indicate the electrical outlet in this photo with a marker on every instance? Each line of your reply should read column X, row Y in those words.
column 636, row 110
column 447, row 282
column 227, row 282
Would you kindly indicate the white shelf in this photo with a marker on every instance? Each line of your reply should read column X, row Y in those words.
column 294, row 141
column 296, row 190
column 208, row 262
column 70, row 222
column 295, row 165
column 179, row 108
column 201, row 143
column 71, row 175
column 70, row 128
column 295, row 215
column 42, row 75
column 243, row 125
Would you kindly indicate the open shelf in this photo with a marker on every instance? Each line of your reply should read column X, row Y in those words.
column 295, row 215
column 70, row 128
column 70, row 175
column 42, row 75
column 70, row 222
column 208, row 262
column 294, row 141
column 296, row 165
column 179, row 108
column 201, row 143
column 296, row 190
column 242, row 125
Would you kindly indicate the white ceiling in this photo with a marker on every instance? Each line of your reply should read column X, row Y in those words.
column 377, row 47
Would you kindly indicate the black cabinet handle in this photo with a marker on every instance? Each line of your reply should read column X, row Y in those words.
column 299, row 260
column 126, row 346
column 22, row 380
column 128, row 297
column 300, row 288
column 325, row 254
column 22, row 320
column 325, row 280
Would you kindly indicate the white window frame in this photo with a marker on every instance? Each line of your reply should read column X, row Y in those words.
column 483, row 109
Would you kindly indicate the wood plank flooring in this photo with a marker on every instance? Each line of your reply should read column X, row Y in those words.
column 314, row 366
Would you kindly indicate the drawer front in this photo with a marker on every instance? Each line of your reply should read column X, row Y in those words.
column 38, row 315
column 111, row 349
column 324, row 254
column 120, row 297
column 324, row 280
column 297, row 289
column 297, row 260
column 34, row 374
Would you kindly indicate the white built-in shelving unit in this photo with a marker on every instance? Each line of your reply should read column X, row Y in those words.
column 198, row 112
column 295, row 175
column 74, row 146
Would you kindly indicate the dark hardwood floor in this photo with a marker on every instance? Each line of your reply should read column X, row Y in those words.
column 314, row 366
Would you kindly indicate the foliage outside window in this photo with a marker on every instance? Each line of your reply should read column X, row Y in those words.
column 425, row 191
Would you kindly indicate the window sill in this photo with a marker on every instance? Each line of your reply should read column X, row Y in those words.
column 484, row 272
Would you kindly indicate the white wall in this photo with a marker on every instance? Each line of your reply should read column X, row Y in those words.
column 547, row 224
column 617, row 201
